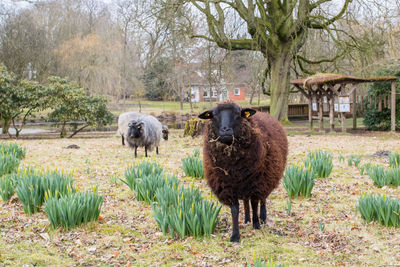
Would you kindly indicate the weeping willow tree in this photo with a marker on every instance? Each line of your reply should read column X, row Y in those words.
column 276, row 28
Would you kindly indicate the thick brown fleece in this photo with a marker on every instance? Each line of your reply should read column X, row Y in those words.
column 252, row 166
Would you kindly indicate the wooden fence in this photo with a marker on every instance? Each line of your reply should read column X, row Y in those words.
column 363, row 103
column 295, row 110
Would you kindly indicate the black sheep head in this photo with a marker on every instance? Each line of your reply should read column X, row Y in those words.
column 135, row 129
column 226, row 119
column 165, row 132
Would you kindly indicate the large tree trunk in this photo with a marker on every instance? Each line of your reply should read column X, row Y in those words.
column 279, row 86
column 6, row 126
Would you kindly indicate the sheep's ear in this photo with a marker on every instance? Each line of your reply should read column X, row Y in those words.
column 247, row 112
column 206, row 115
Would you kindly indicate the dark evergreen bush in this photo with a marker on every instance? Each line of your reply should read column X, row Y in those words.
column 377, row 120
column 380, row 120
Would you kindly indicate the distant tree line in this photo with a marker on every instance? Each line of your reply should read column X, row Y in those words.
column 124, row 49
column 151, row 48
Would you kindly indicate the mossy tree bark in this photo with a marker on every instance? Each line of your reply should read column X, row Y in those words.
column 5, row 125
column 276, row 28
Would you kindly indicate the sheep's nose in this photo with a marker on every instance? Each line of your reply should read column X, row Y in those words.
column 226, row 131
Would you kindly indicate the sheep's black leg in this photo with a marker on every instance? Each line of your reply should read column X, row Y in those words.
column 135, row 151
column 157, row 150
column 145, row 151
column 246, row 211
column 235, row 221
column 123, row 140
column 263, row 212
column 254, row 207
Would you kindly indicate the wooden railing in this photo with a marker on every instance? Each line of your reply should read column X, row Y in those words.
column 295, row 110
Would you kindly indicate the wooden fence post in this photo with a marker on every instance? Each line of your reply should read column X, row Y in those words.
column 393, row 107
column 355, row 109
column 310, row 112
column 321, row 113
column 331, row 114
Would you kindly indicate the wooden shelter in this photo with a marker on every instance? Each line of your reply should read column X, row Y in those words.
column 332, row 92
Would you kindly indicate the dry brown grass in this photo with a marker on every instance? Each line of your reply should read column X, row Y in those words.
column 128, row 235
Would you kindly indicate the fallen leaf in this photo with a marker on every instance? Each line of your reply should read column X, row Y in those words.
column 45, row 236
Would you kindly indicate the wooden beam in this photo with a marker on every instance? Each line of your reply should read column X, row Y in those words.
column 352, row 89
column 310, row 112
column 393, row 108
column 331, row 113
column 321, row 113
column 343, row 117
column 354, row 109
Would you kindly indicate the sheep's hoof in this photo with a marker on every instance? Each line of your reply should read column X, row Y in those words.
column 256, row 225
column 235, row 238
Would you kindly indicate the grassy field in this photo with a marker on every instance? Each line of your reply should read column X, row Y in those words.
column 127, row 234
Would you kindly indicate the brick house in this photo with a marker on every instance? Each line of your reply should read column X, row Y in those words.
column 202, row 93
column 200, row 90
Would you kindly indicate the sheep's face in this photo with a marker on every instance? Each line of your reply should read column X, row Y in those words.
column 165, row 132
column 135, row 129
column 226, row 120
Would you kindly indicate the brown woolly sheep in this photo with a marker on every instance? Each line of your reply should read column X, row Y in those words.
column 244, row 159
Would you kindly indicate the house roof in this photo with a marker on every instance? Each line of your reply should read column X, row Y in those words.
column 332, row 79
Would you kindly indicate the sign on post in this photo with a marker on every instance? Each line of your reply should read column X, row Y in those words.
column 314, row 106
column 344, row 104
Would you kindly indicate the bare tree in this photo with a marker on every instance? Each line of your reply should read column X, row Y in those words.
column 278, row 29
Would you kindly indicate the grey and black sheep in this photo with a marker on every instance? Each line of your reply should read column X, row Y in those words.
column 125, row 118
column 244, row 159
column 144, row 132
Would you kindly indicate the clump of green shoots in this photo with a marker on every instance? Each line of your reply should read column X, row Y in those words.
column 320, row 162
column 321, row 226
column 177, row 210
column 354, row 159
column 7, row 187
column 185, row 212
column 73, row 209
column 32, row 185
column 193, row 165
column 145, row 178
column 8, row 163
column 394, row 159
column 7, row 148
column 382, row 209
column 298, row 181
column 341, row 157
column 289, row 207
column 139, row 170
column 365, row 168
column 382, row 177
column 260, row 262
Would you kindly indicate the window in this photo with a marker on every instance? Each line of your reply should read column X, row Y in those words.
column 214, row 93
column 237, row 91
column 206, row 93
